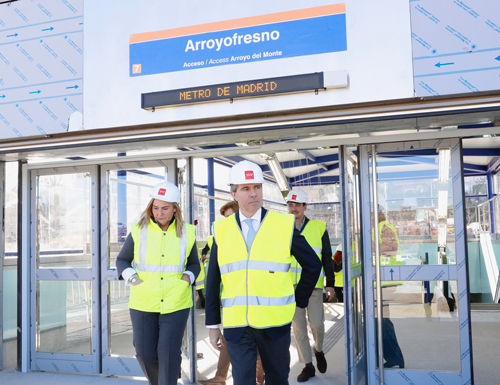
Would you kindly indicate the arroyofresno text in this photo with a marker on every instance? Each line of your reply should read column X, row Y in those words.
column 229, row 41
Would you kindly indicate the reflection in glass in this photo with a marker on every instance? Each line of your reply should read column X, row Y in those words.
column 421, row 318
column 417, row 203
column 63, row 207
column 64, row 317
column 120, row 325
column 128, row 194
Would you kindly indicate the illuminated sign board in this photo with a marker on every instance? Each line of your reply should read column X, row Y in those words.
column 229, row 91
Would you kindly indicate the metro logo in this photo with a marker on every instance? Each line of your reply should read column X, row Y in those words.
column 162, row 191
column 294, row 197
column 249, row 175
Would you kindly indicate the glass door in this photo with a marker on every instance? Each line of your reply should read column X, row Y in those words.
column 125, row 189
column 415, row 258
column 64, row 266
column 352, row 268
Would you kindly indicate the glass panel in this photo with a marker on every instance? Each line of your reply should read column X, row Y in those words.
column 64, row 317
column 64, row 221
column 421, row 325
column 416, row 209
column 120, row 325
column 128, row 195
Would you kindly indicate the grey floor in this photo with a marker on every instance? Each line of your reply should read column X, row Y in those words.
column 485, row 333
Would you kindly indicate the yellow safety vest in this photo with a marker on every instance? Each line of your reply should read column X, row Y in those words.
column 313, row 232
column 389, row 259
column 257, row 289
column 200, row 281
column 160, row 260
column 210, row 241
column 339, row 278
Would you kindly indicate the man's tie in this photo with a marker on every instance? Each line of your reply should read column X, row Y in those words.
column 251, row 233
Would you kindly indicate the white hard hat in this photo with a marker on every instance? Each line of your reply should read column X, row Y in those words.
column 245, row 172
column 339, row 247
column 296, row 195
column 167, row 192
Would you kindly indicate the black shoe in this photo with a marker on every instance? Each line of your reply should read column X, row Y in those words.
column 306, row 374
column 320, row 361
column 393, row 364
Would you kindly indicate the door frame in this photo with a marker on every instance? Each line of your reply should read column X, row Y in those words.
column 458, row 272
column 2, row 253
column 65, row 362
column 355, row 365
column 118, row 365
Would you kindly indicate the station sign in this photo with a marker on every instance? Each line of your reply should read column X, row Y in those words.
column 301, row 32
column 260, row 87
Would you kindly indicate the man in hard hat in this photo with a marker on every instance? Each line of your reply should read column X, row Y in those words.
column 317, row 236
column 251, row 254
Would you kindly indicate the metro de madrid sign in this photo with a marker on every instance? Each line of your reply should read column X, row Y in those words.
column 301, row 32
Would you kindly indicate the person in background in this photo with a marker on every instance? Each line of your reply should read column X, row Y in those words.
column 251, row 254
column 339, row 275
column 390, row 248
column 317, row 236
column 159, row 259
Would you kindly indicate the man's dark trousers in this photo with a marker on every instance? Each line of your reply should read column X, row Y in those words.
column 275, row 355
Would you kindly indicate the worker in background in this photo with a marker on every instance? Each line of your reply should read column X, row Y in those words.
column 224, row 361
column 317, row 236
column 339, row 275
column 159, row 259
column 252, row 254
column 390, row 249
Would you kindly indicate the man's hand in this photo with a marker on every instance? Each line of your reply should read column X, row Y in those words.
column 216, row 338
column 330, row 293
column 137, row 281
column 186, row 278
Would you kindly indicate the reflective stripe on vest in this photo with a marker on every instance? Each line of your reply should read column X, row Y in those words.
column 257, row 290
column 160, row 260
column 200, row 281
column 258, row 301
column 254, row 265
column 313, row 233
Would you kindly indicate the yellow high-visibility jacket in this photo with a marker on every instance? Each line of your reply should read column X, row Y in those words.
column 313, row 233
column 257, row 287
column 160, row 260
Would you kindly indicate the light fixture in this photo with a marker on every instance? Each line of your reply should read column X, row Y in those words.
column 444, row 165
column 278, row 174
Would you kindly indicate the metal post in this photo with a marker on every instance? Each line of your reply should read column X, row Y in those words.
column 122, row 204
column 489, row 175
column 189, row 218
column 211, row 190
column 2, row 253
column 23, row 268
column 377, row 265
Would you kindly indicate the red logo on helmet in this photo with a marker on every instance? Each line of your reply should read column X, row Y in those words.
column 249, row 175
column 162, row 191
column 294, row 197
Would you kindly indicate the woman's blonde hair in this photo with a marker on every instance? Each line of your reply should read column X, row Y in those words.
column 147, row 215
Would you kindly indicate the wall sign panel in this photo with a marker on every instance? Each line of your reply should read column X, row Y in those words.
column 41, row 66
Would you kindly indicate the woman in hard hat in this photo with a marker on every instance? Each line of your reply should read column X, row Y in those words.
column 160, row 261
